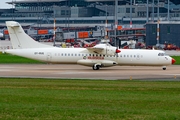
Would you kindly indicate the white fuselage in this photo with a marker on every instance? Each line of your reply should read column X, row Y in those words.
column 73, row 55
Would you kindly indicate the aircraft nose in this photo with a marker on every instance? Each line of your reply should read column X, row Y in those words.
column 173, row 60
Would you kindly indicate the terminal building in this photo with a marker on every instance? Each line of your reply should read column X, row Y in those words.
column 91, row 15
column 86, row 12
column 169, row 33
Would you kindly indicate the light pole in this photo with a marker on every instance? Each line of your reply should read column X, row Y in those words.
column 106, row 35
column 54, row 35
column 116, row 22
column 153, row 11
column 131, row 14
column 168, row 11
column 158, row 10
column 147, row 11
column 12, row 10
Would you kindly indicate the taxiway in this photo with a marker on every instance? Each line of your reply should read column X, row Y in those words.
column 64, row 71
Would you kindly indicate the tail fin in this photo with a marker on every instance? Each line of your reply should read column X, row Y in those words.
column 20, row 39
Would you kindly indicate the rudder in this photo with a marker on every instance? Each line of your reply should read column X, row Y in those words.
column 20, row 39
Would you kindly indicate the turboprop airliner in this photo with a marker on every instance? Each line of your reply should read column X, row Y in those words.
column 101, row 55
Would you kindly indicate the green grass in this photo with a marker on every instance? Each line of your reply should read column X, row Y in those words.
column 177, row 58
column 8, row 58
column 88, row 99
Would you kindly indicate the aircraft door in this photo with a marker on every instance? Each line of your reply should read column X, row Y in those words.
column 138, row 56
column 49, row 56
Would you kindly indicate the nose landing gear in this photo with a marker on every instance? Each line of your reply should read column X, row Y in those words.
column 164, row 67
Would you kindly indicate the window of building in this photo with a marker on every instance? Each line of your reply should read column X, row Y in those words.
column 168, row 29
column 133, row 10
column 62, row 12
column 153, row 29
column 127, row 10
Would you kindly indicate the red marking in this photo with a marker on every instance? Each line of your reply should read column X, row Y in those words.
column 173, row 61
column 118, row 51
column 95, row 57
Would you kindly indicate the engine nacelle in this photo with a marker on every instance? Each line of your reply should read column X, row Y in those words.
column 107, row 49
column 110, row 50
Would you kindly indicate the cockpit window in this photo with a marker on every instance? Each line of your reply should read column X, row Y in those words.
column 161, row 54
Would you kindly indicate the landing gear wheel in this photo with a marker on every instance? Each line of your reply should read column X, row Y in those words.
column 95, row 67
column 164, row 67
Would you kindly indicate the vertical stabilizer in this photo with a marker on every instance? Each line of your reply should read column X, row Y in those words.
column 20, row 39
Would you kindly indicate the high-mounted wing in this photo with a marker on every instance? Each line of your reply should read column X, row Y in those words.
column 104, row 49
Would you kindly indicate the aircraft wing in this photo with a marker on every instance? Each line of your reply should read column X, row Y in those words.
column 103, row 49
column 95, row 49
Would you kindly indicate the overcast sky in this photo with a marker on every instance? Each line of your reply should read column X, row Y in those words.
column 3, row 4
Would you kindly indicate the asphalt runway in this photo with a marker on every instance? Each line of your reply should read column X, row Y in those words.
column 60, row 71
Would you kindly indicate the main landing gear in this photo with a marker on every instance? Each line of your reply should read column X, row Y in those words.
column 96, row 67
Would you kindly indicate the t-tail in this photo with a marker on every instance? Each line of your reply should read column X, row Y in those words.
column 20, row 39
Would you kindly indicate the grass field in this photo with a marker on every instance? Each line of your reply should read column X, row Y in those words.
column 8, row 58
column 177, row 58
column 40, row 99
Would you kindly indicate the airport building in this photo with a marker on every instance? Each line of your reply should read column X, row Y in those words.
column 86, row 12
column 169, row 33
column 91, row 16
